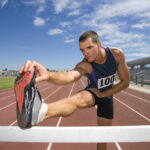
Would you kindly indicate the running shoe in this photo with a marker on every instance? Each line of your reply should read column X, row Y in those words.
column 28, row 99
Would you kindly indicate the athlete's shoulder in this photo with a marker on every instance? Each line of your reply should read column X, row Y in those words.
column 118, row 54
column 84, row 65
column 116, row 51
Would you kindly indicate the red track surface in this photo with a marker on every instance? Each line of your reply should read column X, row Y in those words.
column 131, row 108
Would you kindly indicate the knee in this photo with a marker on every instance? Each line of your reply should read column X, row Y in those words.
column 84, row 99
column 104, row 121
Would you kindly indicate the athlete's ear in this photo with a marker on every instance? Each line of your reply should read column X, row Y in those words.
column 99, row 44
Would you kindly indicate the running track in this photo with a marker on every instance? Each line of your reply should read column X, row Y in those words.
column 131, row 108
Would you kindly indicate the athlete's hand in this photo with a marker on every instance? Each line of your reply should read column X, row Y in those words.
column 97, row 92
column 41, row 75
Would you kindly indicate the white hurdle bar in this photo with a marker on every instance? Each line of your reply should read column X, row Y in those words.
column 90, row 134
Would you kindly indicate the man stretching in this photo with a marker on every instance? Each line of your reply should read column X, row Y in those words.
column 100, row 66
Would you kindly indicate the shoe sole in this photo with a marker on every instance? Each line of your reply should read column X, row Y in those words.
column 28, row 99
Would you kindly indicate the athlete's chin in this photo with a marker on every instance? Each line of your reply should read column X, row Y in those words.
column 90, row 60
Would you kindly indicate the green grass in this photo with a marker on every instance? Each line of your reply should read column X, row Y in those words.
column 6, row 82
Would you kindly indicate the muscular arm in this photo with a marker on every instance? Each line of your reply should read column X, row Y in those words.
column 62, row 78
column 123, row 74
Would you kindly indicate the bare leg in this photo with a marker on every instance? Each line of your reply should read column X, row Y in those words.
column 103, row 122
column 67, row 106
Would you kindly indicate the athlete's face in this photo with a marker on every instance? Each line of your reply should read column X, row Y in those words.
column 89, row 49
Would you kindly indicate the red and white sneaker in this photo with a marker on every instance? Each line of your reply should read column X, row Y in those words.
column 29, row 103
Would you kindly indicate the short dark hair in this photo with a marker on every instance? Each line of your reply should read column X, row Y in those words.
column 87, row 34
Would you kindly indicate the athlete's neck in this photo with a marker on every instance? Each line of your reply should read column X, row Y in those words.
column 101, row 58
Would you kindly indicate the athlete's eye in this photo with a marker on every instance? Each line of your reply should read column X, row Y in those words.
column 89, row 47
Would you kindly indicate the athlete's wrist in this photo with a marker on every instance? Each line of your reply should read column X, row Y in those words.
column 49, row 76
column 102, row 94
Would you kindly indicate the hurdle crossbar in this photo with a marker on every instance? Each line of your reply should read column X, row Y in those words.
column 90, row 134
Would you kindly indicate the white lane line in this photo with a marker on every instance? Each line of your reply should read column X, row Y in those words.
column 41, row 86
column 1, row 99
column 117, row 144
column 13, row 123
column 46, row 88
column 9, row 92
column 60, row 118
column 7, row 106
column 58, row 123
column 43, row 98
column 53, row 93
column 132, row 109
column 136, row 97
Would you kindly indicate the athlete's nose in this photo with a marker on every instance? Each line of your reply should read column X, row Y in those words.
column 85, row 53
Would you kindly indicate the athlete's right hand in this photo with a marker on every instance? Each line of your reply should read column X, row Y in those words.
column 41, row 75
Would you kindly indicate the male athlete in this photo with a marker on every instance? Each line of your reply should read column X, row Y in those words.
column 99, row 65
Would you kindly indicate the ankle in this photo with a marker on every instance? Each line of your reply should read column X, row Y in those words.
column 42, row 112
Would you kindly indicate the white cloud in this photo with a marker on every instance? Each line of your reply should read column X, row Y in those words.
column 40, row 9
column 59, row 5
column 39, row 21
column 34, row 2
column 74, row 12
column 118, row 9
column 65, row 24
column 123, row 8
column 69, row 41
column 144, row 22
column 141, row 25
column 112, row 32
column 3, row 3
column 55, row 31
column 40, row 5
column 75, row 5
column 114, row 23
column 41, row 1
column 146, row 14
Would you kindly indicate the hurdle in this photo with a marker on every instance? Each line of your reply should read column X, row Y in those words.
column 88, row 134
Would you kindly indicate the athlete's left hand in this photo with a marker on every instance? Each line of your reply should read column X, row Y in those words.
column 97, row 92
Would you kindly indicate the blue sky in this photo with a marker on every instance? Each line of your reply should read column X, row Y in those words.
column 47, row 31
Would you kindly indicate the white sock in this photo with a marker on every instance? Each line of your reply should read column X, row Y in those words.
column 42, row 112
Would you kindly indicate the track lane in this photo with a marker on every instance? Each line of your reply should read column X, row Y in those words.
column 137, row 105
column 123, row 116
column 81, row 117
column 138, row 93
column 50, row 97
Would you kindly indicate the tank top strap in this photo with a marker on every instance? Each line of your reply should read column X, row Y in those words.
column 110, row 54
column 93, row 76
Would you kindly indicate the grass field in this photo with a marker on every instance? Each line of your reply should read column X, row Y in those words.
column 6, row 82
